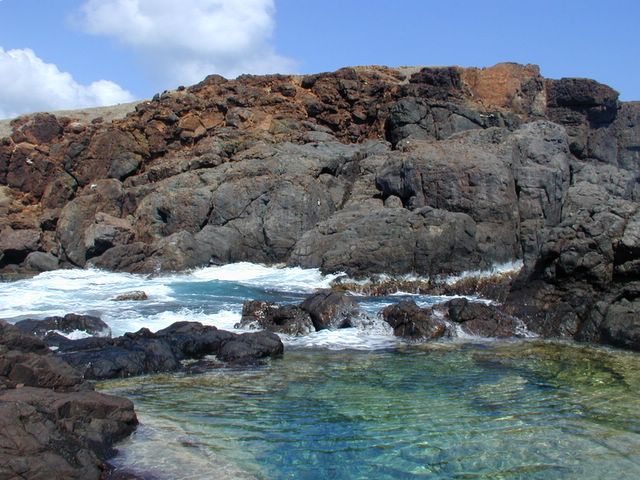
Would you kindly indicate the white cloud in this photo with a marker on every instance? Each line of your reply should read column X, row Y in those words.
column 28, row 84
column 184, row 41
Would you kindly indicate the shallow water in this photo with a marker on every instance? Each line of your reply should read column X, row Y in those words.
column 357, row 402
column 525, row 409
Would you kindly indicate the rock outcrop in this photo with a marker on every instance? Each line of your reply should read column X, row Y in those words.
column 144, row 352
column 52, row 424
column 364, row 170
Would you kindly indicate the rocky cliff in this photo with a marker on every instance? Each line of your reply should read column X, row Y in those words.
column 364, row 170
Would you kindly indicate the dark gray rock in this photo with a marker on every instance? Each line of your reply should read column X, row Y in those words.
column 77, row 229
column 392, row 241
column 41, row 262
column 251, row 347
column 52, row 424
column 482, row 320
column 331, row 310
column 146, row 352
column 288, row 319
column 71, row 322
column 410, row 321
column 621, row 325
column 194, row 340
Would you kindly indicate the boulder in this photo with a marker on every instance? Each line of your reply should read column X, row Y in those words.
column 330, row 310
column 46, row 434
column 38, row 128
column 146, row 352
column 12, row 338
column 135, row 296
column 16, row 245
column 251, row 347
column 132, row 354
column 621, row 325
column 71, row 322
column 194, row 340
column 482, row 320
column 41, row 262
column 288, row 319
column 412, row 322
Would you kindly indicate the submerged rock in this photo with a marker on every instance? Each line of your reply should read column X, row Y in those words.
column 410, row 321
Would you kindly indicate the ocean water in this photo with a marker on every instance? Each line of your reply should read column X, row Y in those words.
column 353, row 403
column 212, row 296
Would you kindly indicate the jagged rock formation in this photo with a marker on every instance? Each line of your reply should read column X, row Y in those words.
column 52, row 423
column 363, row 170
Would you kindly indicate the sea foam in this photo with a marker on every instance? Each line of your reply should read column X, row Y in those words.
column 211, row 295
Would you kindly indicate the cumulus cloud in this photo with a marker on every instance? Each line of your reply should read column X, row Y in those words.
column 184, row 41
column 28, row 84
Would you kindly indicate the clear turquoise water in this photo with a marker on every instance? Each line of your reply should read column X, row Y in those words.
column 353, row 403
column 525, row 409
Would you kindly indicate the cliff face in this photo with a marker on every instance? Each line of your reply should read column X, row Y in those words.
column 432, row 170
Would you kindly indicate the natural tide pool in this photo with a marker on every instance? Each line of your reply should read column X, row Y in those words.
column 520, row 409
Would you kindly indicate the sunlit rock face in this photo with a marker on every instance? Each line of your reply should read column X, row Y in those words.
column 365, row 170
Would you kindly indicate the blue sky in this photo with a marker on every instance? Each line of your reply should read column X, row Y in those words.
column 72, row 53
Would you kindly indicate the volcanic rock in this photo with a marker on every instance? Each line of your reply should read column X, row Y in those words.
column 71, row 322
column 482, row 320
column 367, row 170
column 410, row 321
column 331, row 310
column 288, row 319
column 52, row 424
column 144, row 352
column 137, row 295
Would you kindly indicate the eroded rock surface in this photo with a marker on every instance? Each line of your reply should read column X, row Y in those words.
column 144, row 352
column 365, row 170
column 288, row 319
column 410, row 321
column 52, row 424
